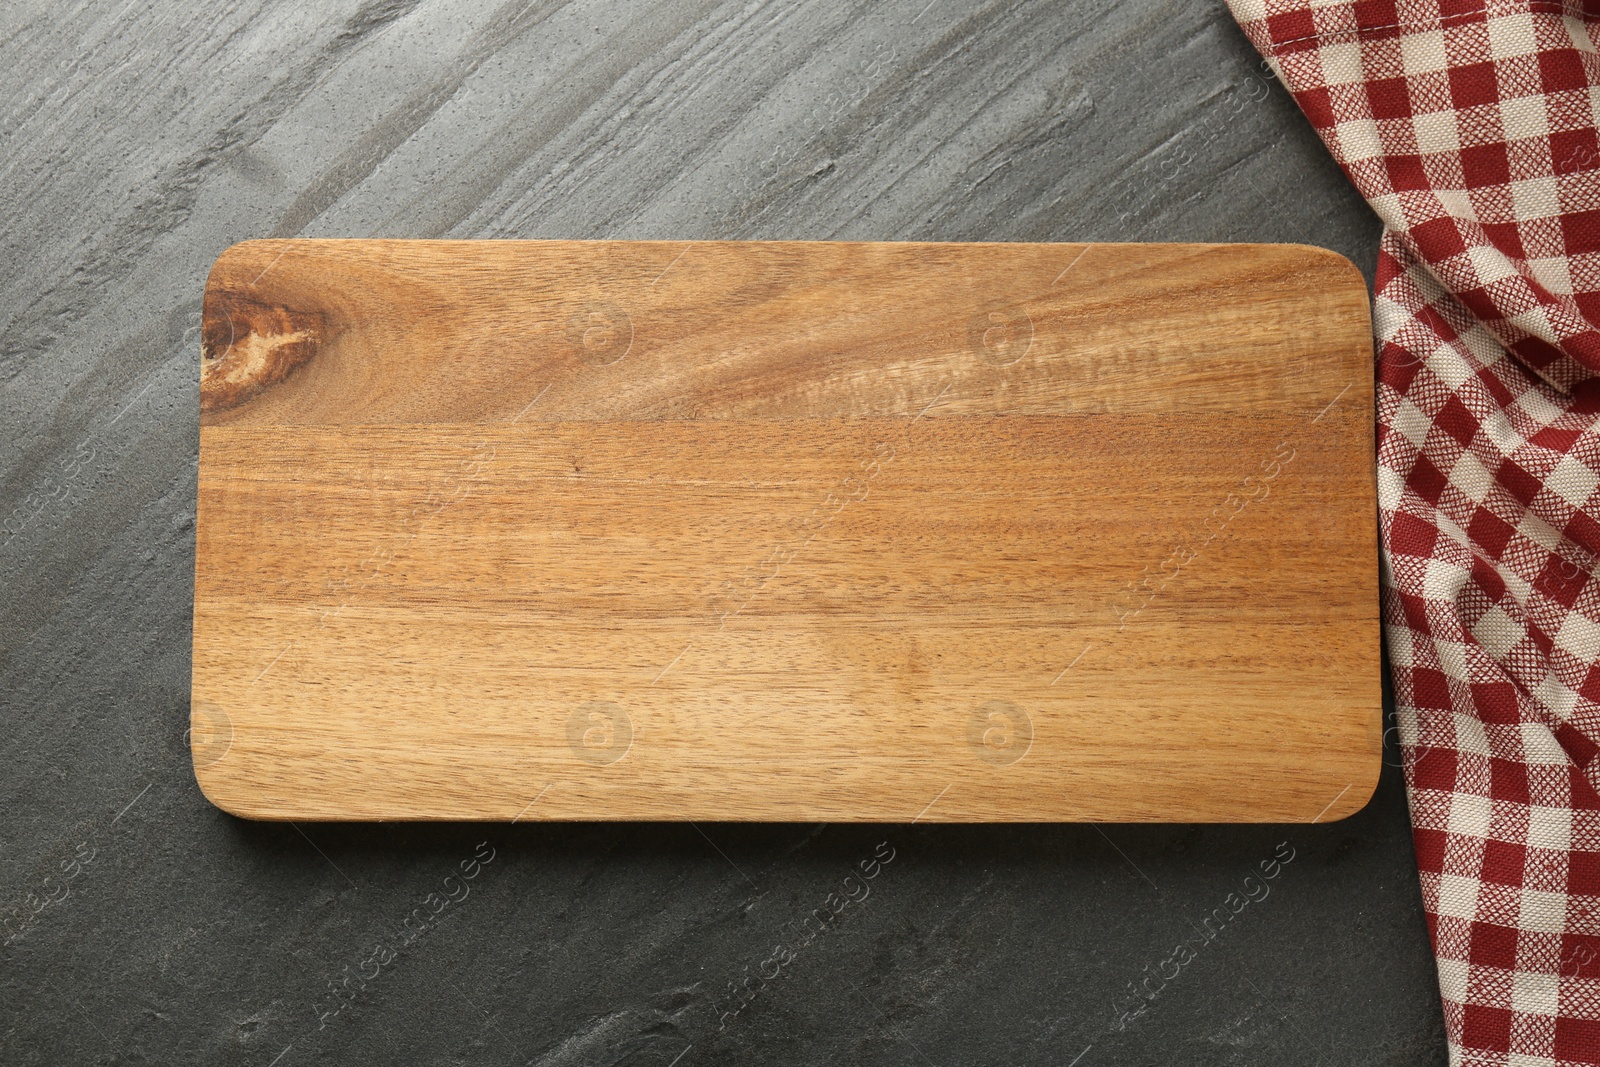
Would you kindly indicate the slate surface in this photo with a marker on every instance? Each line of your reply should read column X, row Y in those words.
column 139, row 140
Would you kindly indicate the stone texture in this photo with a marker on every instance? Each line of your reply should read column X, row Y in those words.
column 137, row 141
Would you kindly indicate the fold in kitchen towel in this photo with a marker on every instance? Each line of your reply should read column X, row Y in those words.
column 1471, row 129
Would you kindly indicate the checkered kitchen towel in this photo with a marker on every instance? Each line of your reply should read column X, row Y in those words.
column 1470, row 127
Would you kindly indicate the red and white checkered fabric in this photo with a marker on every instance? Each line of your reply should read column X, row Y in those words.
column 1471, row 129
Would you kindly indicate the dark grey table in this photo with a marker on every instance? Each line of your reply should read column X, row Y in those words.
column 138, row 140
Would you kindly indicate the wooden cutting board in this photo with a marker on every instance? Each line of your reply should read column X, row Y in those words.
column 786, row 531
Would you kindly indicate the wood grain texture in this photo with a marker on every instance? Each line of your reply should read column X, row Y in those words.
column 785, row 531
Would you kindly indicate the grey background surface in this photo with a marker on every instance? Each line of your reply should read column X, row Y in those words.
column 138, row 140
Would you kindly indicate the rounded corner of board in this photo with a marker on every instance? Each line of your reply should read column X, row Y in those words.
column 211, row 738
column 1355, row 796
column 1339, row 267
